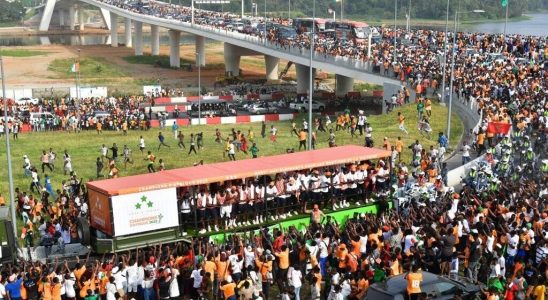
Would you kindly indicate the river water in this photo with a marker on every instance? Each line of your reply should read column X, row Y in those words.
column 536, row 25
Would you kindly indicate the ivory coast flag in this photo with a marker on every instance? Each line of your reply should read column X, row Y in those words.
column 504, row 3
column 75, row 67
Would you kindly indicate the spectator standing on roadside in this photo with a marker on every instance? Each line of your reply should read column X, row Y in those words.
column 174, row 129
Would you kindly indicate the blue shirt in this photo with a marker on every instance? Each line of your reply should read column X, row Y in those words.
column 14, row 289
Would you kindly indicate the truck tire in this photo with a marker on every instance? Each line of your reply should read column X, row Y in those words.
column 83, row 231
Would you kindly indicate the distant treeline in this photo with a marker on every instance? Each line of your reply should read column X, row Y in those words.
column 11, row 11
column 382, row 9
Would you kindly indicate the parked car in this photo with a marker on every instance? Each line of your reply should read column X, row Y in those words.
column 301, row 106
column 27, row 100
column 263, row 108
column 36, row 117
column 433, row 286
column 99, row 114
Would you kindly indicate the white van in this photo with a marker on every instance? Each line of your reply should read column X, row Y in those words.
column 36, row 117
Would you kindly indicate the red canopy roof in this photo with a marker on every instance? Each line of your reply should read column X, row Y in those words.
column 236, row 169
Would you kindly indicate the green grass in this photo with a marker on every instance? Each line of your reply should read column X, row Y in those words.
column 84, row 147
column 162, row 61
column 22, row 53
column 93, row 68
column 10, row 24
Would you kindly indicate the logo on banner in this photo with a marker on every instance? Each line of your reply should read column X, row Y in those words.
column 145, row 212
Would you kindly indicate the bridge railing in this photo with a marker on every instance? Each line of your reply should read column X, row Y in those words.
column 356, row 64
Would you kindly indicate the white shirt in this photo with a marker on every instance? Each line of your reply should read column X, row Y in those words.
column 132, row 275
column 249, row 258
column 323, row 247
column 69, row 287
column 2, row 291
column 174, row 286
column 466, row 151
column 363, row 244
column 119, row 277
column 409, row 241
column 513, row 245
column 111, row 291
column 296, row 277
column 142, row 143
column 197, row 278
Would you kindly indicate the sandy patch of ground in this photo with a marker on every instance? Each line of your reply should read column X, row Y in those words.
column 32, row 72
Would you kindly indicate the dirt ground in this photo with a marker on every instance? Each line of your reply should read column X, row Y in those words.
column 32, row 72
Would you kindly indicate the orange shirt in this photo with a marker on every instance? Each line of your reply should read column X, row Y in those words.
column 341, row 255
column 222, row 268
column 399, row 146
column 2, row 201
column 45, row 290
column 302, row 136
column 356, row 248
column 284, row 259
column 414, row 283
column 210, row 267
column 264, row 268
column 56, row 292
column 401, row 119
column 229, row 290
column 79, row 272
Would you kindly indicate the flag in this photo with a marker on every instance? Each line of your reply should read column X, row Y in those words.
column 504, row 3
column 498, row 127
column 75, row 67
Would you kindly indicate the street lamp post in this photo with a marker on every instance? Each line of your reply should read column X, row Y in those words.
column 444, row 62
column 289, row 11
column 409, row 16
column 311, row 83
column 395, row 26
column 199, row 61
column 8, row 151
column 453, row 53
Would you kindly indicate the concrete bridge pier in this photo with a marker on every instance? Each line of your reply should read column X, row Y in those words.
column 71, row 18
column 81, row 18
column 113, row 29
column 200, row 49
column 155, row 39
column 105, row 15
column 344, row 85
column 61, row 13
column 271, row 64
column 232, row 59
column 303, row 78
column 174, row 48
column 138, row 37
column 127, row 28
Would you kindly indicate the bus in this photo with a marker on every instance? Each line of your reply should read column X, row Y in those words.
column 303, row 25
column 350, row 30
column 127, row 212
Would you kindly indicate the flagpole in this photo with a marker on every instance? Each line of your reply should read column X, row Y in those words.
column 78, row 91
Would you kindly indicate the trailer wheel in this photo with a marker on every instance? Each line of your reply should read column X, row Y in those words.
column 83, row 231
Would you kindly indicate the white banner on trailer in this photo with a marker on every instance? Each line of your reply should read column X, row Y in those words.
column 147, row 211
column 151, row 89
column 89, row 92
